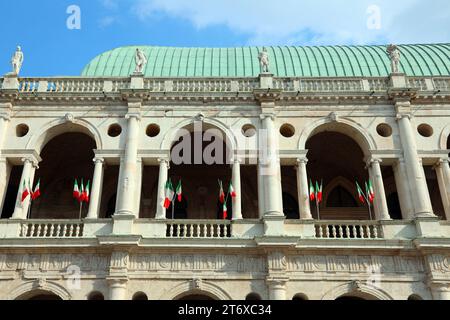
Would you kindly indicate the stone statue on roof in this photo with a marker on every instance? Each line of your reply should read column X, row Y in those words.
column 141, row 61
column 394, row 54
column 264, row 60
column 17, row 61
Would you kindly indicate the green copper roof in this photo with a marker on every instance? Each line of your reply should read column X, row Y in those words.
column 327, row 61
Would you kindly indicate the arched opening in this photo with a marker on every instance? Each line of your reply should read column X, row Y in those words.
column 140, row 296
column 201, row 156
column 64, row 158
column 414, row 297
column 96, row 295
column 196, row 295
column 39, row 295
column 355, row 296
column 337, row 159
column 253, row 296
column 300, row 297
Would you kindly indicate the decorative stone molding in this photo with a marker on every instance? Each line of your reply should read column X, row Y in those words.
column 272, row 116
column 69, row 117
column 133, row 115
column 276, row 262
column 200, row 117
column 334, row 117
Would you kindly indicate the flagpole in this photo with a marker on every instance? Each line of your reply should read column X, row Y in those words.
column 81, row 208
column 29, row 210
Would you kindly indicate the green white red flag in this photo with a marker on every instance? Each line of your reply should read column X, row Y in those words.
column 360, row 193
column 76, row 190
column 179, row 192
column 370, row 192
column 319, row 192
column 225, row 212
column 37, row 191
column 232, row 191
column 312, row 194
column 87, row 192
column 169, row 193
column 25, row 191
column 221, row 193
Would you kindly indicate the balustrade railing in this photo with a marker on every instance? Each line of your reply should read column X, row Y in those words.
column 348, row 230
column 99, row 85
column 198, row 229
column 53, row 229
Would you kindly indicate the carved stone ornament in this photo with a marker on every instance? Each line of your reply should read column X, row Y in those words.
column 69, row 118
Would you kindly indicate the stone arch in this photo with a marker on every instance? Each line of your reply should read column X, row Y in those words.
column 338, row 181
column 357, row 289
column 444, row 137
column 30, row 286
column 61, row 126
column 196, row 288
column 171, row 134
column 344, row 126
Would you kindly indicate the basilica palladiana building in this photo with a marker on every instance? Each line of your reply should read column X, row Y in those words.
column 161, row 173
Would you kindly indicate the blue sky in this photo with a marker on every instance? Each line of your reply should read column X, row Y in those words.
column 51, row 49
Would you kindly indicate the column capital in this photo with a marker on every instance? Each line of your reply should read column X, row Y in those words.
column 277, row 281
column 164, row 161
column 236, row 160
column 373, row 160
column 30, row 160
column 302, row 160
column 99, row 160
column 133, row 115
column 263, row 116
column 5, row 116
column 400, row 116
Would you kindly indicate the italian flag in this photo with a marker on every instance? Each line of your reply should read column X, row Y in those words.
column 76, row 190
column 86, row 192
column 225, row 212
column 319, row 191
column 232, row 191
column 81, row 197
column 25, row 191
column 370, row 191
column 169, row 194
column 37, row 191
column 360, row 193
column 312, row 194
column 179, row 192
column 221, row 193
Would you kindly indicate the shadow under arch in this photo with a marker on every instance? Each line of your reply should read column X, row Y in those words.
column 339, row 182
column 30, row 289
column 201, row 288
column 444, row 138
column 358, row 290
column 173, row 133
column 344, row 126
column 60, row 126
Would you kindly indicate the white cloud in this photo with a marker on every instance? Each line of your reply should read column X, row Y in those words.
column 110, row 4
column 312, row 21
column 107, row 21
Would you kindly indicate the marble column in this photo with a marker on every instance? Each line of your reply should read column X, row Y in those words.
column 4, row 121
column 277, row 289
column 380, row 203
column 403, row 191
column 236, row 180
column 440, row 291
column 96, row 192
column 414, row 168
column 302, row 188
column 443, row 175
column 117, row 289
column 260, row 181
column 163, row 177
column 128, row 168
column 138, row 194
column 21, row 209
column 5, row 172
column 271, row 170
